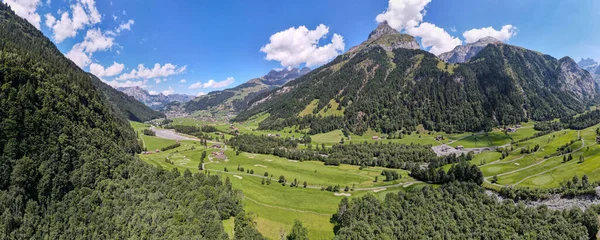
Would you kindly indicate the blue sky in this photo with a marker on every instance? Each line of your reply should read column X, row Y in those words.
column 230, row 42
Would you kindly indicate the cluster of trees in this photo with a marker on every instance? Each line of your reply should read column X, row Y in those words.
column 548, row 126
column 390, row 155
column 571, row 188
column 201, row 132
column 172, row 146
column 457, row 211
column 390, row 175
column 67, row 165
column 581, row 121
column 148, row 132
column 462, row 171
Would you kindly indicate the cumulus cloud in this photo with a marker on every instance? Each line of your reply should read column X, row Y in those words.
column 100, row 71
column 200, row 94
column 94, row 41
column 213, row 84
column 27, row 10
column 118, row 84
column 168, row 92
column 125, row 26
column 296, row 46
column 435, row 37
column 182, row 81
column 407, row 15
column 504, row 34
column 402, row 14
column 149, row 73
column 83, row 13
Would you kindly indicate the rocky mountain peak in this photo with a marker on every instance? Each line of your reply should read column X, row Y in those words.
column 587, row 62
column 383, row 29
column 464, row 53
column 486, row 40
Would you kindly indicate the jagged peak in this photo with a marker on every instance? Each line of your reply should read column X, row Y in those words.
column 488, row 40
column 383, row 29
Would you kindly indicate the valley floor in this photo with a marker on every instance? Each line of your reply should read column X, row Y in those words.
column 276, row 205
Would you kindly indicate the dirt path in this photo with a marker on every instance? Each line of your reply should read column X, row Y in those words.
column 170, row 134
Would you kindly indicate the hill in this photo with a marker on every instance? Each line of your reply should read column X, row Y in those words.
column 67, row 168
column 126, row 105
column 233, row 100
column 397, row 88
column 157, row 101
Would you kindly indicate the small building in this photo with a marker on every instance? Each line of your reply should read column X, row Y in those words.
column 460, row 147
column 598, row 139
column 216, row 146
column 375, row 137
column 278, row 135
column 439, row 138
column 156, row 151
column 511, row 130
column 518, row 126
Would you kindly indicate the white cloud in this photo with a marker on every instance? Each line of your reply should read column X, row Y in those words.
column 100, row 71
column 407, row 15
column 295, row 46
column 402, row 14
column 435, row 37
column 94, row 41
column 503, row 34
column 158, row 80
column 153, row 93
column 84, row 13
column 125, row 26
column 168, row 91
column 115, row 17
column 200, row 94
column 148, row 73
column 213, row 84
column 453, row 29
column 117, row 84
column 182, row 81
column 27, row 10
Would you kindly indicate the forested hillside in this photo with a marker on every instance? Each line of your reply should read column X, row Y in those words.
column 457, row 211
column 67, row 168
column 388, row 91
column 131, row 108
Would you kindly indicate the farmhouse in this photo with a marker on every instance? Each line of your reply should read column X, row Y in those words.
column 511, row 129
column 375, row 138
column 215, row 146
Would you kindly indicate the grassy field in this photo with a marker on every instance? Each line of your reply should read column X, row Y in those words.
column 276, row 206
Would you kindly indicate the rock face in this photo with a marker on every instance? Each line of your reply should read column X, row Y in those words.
column 592, row 67
column 576, row 80
column 388, row 38
column 281, row 77
column 154, row 101
column 464, row 53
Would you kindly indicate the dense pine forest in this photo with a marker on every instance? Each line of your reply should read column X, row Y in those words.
column 390, row 91
column 67, row 164
column 457, row 211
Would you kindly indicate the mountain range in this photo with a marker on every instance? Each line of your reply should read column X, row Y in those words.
column 156, row 101
column 233, row 100
column 592, row 67
column 389, row 85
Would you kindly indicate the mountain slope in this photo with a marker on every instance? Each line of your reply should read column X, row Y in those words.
column 154, row 101
column 400, row 89
column 67, row 168
column 126, row 105
column 236, row 99
column 463, row 53
column 592, row 67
